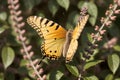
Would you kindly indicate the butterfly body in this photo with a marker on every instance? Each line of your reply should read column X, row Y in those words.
column 57, row 41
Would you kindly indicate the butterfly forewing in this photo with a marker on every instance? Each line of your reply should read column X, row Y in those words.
column 46, row 28
column 52, row 34
column 79, row 27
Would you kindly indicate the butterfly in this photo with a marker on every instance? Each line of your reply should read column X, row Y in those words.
column 57, row 41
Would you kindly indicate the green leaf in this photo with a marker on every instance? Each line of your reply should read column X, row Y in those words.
column 72, row 20
column 23, row 62
column 53, row 6
column 55, row 75
column 29, row 4
column 58, row 75
column 117, row 47
column 26, row 78
column 73, row 69
column 82, row 4
column 8, row 56
column 90, row 78
column 1, row 76
column 41, row 14
column 64, row 3
column 3, row 16
column 30, row 73
column 2, row 30
column 93, row 11
column 117, row 79
column 113, row 62
column 109, row 77
column 89, row 37
column 92, row 63
column 69, row 25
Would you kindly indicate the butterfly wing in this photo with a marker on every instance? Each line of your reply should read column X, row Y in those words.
column 52, row 33
column 52, row 48
column 79, row 27
column 75, row 35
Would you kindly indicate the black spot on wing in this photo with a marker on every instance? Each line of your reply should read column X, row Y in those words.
column 46, row 22
column 41, row 20
column 52, row 24
column 47, row 30
column 50, row 51
column 57, row 27
column 55, row 51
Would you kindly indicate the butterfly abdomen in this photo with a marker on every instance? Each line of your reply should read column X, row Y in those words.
column 67, row 42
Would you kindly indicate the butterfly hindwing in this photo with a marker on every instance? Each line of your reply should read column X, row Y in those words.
column 71, row 50
column 53, row 36
column 52, row 48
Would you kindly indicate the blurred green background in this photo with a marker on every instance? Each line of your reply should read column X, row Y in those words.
column 65, row 13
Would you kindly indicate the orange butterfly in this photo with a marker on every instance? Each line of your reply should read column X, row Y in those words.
column 57, row 40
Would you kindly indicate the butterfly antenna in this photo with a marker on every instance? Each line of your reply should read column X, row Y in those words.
column 43, row 57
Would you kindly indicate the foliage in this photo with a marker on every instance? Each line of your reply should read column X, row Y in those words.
column 103, row 64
